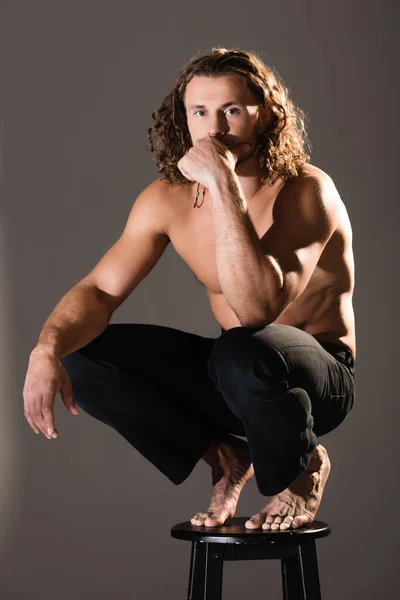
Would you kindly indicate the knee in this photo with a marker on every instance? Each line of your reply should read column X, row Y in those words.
column 80, row 371
column 232, row 344
column 75, row 365
column 239, row 352
column 89, row 381
column 228, row 351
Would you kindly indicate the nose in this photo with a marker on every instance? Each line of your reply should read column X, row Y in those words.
column 218, row 126
column 217, row 135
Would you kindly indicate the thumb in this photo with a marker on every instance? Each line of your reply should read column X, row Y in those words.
column 68, row 397
column 240, row 149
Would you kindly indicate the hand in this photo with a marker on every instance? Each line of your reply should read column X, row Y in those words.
column 209, row 158
column 45, row 377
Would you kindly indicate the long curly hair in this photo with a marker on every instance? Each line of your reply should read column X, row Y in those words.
column 281, row 148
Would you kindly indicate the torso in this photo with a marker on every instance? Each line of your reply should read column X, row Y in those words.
column 324, row 309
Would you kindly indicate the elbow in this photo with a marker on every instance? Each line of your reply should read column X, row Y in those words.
column 256, row 321
column 261, row 319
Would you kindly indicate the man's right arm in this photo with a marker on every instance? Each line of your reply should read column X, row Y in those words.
column 86, row 309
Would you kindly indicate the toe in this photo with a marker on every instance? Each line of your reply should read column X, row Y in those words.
column 276, row 524
column 255, row 522
column 268, row 521
column 286, row 523
column 300, row 520
column 217, row 518
column 199, row 518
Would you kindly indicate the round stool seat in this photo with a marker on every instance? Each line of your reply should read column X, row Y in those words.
column 234, row 532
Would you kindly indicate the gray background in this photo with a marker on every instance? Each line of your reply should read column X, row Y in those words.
column 86, row 516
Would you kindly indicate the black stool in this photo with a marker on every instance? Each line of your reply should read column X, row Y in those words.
column 232, row 541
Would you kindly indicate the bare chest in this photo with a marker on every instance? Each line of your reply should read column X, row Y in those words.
column 193, row 237
column 323, row 309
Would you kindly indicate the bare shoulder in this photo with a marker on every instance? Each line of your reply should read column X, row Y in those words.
column 319, row 192
column 311, row 188
column 137, row 250
column 309, row 175
column 173, row 201
column 155, row 203
column 322, row 183
column 327, row 191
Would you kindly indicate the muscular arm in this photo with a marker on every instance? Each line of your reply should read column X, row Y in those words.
column 261, row 277
column 85, row 310
column 250, row 279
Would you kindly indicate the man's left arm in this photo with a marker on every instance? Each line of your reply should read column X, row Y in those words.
column 260, row 277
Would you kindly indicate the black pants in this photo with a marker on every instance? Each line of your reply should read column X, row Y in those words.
column 170, row 393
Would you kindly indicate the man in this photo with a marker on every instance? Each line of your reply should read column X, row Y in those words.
column 268, row 236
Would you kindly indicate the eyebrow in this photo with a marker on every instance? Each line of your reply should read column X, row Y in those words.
column 223, row 106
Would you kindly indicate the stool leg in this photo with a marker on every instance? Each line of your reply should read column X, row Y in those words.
column 309, row 568
column 205, row 574
column 292, row 583
column 300, row 578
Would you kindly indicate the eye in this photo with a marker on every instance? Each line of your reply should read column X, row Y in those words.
column 235, row 109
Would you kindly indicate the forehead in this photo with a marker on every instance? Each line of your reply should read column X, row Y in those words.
column 202, row 89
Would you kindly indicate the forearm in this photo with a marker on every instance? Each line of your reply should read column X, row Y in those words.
column 78, row 318
column 250, row 280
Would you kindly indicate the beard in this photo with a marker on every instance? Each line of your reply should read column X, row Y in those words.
column 250, row 152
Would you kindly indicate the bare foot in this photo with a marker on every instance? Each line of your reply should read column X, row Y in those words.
column 299, row 502
column 231, row 468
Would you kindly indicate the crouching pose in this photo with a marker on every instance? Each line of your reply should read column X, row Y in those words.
column 268, row 236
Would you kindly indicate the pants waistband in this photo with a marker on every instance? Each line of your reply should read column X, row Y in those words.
column 340, row 351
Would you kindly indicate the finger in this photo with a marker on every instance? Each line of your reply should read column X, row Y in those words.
column 37, row 417
column 48, row 418
column 182, row 170
column 27, row 414
column 32, row 424
column 186, row 174
column 67, row 396
column 240, row 150
column 36, row 422
column 40, row 412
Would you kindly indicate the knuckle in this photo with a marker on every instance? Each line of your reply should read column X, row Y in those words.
column 48, row 389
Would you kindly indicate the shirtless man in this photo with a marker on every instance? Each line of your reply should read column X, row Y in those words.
column 275, row 252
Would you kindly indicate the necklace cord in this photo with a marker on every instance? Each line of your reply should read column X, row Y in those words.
column 195, row 205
